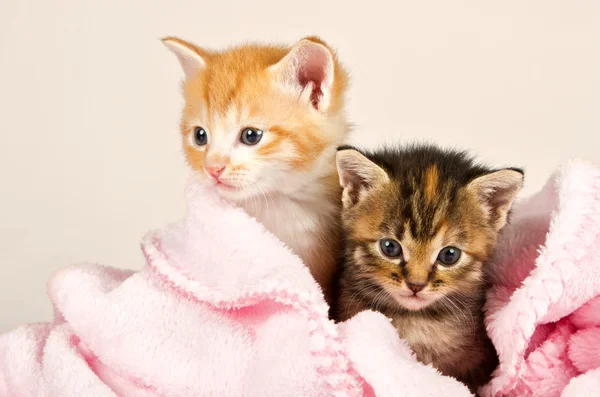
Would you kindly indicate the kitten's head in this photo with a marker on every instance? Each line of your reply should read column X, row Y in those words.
column 261, row 119
column 421, row 222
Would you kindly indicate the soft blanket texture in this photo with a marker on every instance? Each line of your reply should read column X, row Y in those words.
column 544, row 309
column 221, row 309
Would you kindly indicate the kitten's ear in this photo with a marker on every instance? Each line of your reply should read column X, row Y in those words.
column 308, row 69
column 496, row 192
column 357, row 175
column 191, row 57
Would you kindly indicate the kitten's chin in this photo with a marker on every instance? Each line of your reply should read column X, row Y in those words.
column 228, row 192
column 240, row 194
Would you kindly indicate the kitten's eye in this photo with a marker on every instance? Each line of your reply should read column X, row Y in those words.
column 251, row 136
column 200, row 136
column 449, row 256
column 390, row 248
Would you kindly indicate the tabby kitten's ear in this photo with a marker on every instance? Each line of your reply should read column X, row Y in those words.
column 496, row 192
column 191, row 57
column 357, row 175
column 308, row 69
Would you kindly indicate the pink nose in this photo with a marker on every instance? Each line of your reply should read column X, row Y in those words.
column 215, row 170
column 415, row 288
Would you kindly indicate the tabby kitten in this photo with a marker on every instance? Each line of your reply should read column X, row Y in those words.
column 261, row 124
column 419, row 225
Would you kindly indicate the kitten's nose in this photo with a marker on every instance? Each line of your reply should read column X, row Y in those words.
column 415, row 287
column 215, row 170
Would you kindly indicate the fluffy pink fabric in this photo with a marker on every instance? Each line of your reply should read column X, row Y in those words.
column 221, row 309
column 224, row 309
column 544, row 308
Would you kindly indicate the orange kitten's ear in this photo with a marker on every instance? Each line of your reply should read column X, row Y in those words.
column 496, row 192
column 357, row 175
column 192, row 58
column 308, row 69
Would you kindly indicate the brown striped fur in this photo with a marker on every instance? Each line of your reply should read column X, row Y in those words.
column 425, row 199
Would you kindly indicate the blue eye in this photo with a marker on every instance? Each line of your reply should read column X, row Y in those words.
column 390, row 248
column 251, row 136
column 200, row 136
column 448, row 256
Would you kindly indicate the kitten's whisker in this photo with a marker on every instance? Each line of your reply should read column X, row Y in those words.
column 384, row 293
column 467, row 303
column 253, row 203
column 265, row 196
column 270, row 197
column 360, row 293
column 467, row 317
column 380, row 298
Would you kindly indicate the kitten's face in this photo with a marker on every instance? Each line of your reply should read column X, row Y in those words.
column 261, row 120
column 418, row 252
column 417, row 239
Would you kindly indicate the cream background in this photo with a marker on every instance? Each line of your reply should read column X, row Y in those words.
column 89, row 105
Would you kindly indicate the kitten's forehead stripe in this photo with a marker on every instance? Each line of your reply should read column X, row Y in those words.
column 431, row 182
column 400, row 230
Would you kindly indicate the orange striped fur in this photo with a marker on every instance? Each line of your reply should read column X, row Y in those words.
column 288, row 180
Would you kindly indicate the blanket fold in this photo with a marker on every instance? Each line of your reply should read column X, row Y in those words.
column 542, row 311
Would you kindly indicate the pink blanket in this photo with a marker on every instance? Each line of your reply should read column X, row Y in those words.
column 544, row 308
column 221, row 309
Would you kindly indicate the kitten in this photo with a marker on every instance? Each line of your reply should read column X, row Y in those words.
column 261, row 124
column 419, row 225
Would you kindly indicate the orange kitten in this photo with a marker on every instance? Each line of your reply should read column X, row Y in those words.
column 261, row 124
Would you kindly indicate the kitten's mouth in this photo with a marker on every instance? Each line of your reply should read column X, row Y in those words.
column 411, row 301
column 224, row 185
column 415, row 298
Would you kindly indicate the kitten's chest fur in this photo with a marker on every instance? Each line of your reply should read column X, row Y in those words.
column 308, row 224
column 453, row 342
